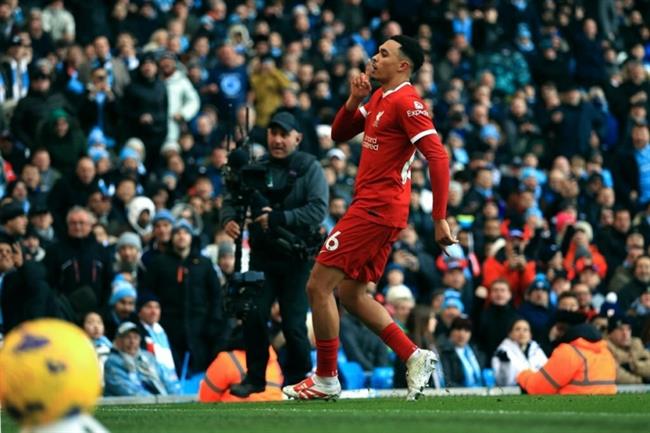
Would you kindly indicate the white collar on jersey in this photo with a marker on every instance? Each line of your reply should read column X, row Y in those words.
column 388, row 92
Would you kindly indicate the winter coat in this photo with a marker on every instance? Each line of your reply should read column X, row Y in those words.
column 583, row 365
column 139, row 375
column 31, row 111
column 190, row 299
column 452, row 366
column 491, row 325
column 633, row 363
column 65, row 151
column 509, row 360
column 181, row 98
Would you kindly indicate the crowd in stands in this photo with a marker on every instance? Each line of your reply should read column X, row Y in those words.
column 118, row 117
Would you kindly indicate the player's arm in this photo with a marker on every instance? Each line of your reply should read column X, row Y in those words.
column 350, row 119
column 422, row 133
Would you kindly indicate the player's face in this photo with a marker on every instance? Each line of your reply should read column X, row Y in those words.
column 387, row 62
column 282, row 143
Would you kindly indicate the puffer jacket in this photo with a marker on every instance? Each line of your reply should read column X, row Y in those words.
column 632, row 364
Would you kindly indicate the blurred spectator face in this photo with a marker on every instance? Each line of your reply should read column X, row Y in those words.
column 42, row 160
column 492, row 229
column 129, row 343
column 228, row 56
column 337, row 207
column 93, row 325
column 622, row 220
column 149, row 69
column 484, row 179
column 642, row 269
column 480, row 114
column 560, row 285
column 150, row 312
column 128, row 254
column 201, row 46
column 520, row 333
column 162, row 231
column 85, row 170
column 460, row 337
column 31, row 176
column 176, row 164
column 573, row 97
column 41, row 83
column 181, row 240
column 204, row 126
column 98, row 204
column 79, row 224
column 606, row 197
column 100, row 79
column 500, row 293
column 568, row 303
column 583, row 293
column 640, row 136
column 16, row 226
column 590, row 28
column 621, row 336
column 538, row 297
column 61, row 127
column 102, row 47
column 6, row 257
column 226, row 263
column 634, row 245
column 518, row 107
column 124, row 307
column 125, row 190
column 167, row 67
column 454, row 278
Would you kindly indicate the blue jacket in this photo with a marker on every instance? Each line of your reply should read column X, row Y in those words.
column 141, row 375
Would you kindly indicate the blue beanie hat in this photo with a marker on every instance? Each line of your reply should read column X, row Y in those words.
column 452, row 300
column 121, row 290
column 164, row 214
column 183, row 224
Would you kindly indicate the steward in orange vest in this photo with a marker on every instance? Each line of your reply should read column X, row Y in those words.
column 581, row 364
column 229, row 368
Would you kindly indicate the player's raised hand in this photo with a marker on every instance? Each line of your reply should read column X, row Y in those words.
column 360, row 86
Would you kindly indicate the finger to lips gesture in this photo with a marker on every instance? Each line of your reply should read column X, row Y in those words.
column 360, row 86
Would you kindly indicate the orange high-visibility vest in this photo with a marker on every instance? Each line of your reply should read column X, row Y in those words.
column 229, row 368
column 578, row 367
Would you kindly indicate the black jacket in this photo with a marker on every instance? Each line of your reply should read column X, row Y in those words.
column 304, row 207
column 362, row 345
column 144, row 96
column 190, row 299
column 453, row 367
column 26, row 296
column 31, row 111
column 492, row 323
column 67, row 192
column 80, row 271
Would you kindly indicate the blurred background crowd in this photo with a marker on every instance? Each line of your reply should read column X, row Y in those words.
column 118, row 117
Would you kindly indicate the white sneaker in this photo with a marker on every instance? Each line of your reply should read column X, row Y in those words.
column 419, row 368
column 314, row 389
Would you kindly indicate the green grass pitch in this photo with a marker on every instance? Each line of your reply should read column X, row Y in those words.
column 520, row 414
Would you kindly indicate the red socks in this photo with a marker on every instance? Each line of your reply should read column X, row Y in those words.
column 327, row 357
column 397, row 340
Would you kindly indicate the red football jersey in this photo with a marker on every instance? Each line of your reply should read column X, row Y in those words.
column 394, row 121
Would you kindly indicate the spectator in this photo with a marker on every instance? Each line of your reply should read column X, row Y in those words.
column 163, row 222
column 154, row 337
column 185, row 281
column 146, row 119
column 634, row 246
column 78, row 268
column 638, row 285
column 516, row 353
column 632, row 359
column 183, row 100
column 93, row 326
column 493, row 316
column 63, row 139
column 512, row 264
column 451, row 308
column 400, row 300
column 130, row 371
column 121, row 306
column 118, row 77
column 13, row 221
column 461, row 362
column 228, row 369
column 362, row 345
column 537, row 311
column 59, row 22
column 580, row 364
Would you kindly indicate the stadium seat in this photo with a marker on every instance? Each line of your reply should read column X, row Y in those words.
column 190, row 386
column 352, row 375
column 382, row 378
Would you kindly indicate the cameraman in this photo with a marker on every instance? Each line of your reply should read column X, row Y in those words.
column 295, row 202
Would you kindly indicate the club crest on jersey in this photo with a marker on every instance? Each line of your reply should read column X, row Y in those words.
column 377, row 118
column 418, row 105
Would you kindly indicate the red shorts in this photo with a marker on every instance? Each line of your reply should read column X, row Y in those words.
column 358, row 247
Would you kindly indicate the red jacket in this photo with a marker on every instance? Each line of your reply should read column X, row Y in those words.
column 519, row 280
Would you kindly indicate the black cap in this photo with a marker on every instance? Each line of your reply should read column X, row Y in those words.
column 284, row 120
column 168, row 55
column 616, row 322
column 412, row 49
column 461, row 323
column 10, row 211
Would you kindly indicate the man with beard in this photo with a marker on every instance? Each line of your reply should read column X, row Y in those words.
column 632, row 290
column 337, row 208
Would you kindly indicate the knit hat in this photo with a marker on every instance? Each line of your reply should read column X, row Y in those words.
column 585, row 227
column 616, row 322
column 129, row 239
column 226, row 249
column 452, row 300
column 121, row 290
column 10, row 211
column 164, row 215
column 183, row 224
column 399, row 293
column 145, row 298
